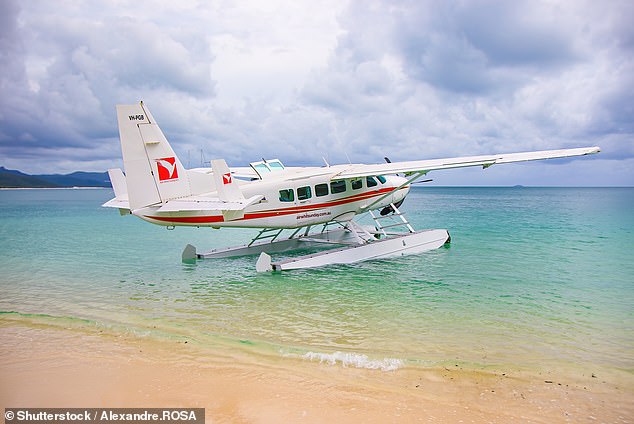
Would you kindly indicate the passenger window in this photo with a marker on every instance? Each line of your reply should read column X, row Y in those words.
column 338, row 186
column 381, row 178
column 321, row 190
column 357, row 184
column 287, row 195
column 371, row 182
column 304, row 193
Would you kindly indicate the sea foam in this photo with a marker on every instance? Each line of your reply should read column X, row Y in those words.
column 351, row 359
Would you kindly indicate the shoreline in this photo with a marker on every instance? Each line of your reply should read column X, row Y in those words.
column 46, row 366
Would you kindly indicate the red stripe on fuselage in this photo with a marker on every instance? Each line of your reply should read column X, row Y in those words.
column 272, row 212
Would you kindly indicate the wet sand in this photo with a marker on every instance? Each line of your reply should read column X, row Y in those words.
column 42, row 366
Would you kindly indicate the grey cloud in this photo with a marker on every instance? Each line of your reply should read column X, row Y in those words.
column 482, row 76
column 61, row 92
column 125, row 52
column 407, row 79
column 481, row 47
column 517, row 33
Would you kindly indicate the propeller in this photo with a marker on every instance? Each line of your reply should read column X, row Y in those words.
column 389, row 209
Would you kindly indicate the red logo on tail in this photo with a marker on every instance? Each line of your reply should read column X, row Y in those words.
column 226, row 178
column 167, row 169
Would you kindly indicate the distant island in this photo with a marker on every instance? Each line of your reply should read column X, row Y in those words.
column 15, row 179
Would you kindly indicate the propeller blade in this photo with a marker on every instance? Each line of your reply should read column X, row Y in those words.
column 389, row 209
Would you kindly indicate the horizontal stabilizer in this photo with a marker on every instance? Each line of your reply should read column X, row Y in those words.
column 119, row 204
column 207, row 204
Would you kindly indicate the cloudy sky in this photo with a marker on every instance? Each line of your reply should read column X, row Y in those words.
column 341, row 80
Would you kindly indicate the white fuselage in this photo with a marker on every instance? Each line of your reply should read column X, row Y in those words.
column 293, row 201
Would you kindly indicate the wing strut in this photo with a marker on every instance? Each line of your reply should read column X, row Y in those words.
column 381, row 227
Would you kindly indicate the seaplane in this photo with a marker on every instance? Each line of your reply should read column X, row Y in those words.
column 317, row 205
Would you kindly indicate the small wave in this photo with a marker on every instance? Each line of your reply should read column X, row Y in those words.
column 352, row 359
column 44, row 318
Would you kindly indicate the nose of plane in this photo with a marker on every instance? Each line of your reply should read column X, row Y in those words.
column 400, row 189
column 400, row 194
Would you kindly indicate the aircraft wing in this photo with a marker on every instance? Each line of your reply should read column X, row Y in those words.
column 423, row 166
column 207, row 204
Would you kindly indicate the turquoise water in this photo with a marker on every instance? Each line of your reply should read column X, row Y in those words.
column 535, row 278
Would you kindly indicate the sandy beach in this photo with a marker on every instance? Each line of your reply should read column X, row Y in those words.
column 52, row 367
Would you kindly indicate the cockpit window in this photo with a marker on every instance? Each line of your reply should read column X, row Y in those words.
column 287, row 195
column 261, row 168
column 371, row 182
column 381, row 178
column 266, row 167
column 275, row 165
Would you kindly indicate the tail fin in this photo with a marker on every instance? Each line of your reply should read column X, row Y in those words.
column 228, row 190
column 120, row 201
column 117, row 180
column 154, row 174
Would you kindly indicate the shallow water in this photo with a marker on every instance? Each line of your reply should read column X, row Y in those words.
column 535, row 278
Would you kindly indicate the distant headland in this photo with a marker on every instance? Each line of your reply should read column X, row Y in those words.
column 15, row 179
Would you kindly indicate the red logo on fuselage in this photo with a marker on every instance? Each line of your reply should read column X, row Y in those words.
column 167, row 169
column 226, row 178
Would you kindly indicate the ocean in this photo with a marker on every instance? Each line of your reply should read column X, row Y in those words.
column 535, row 279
